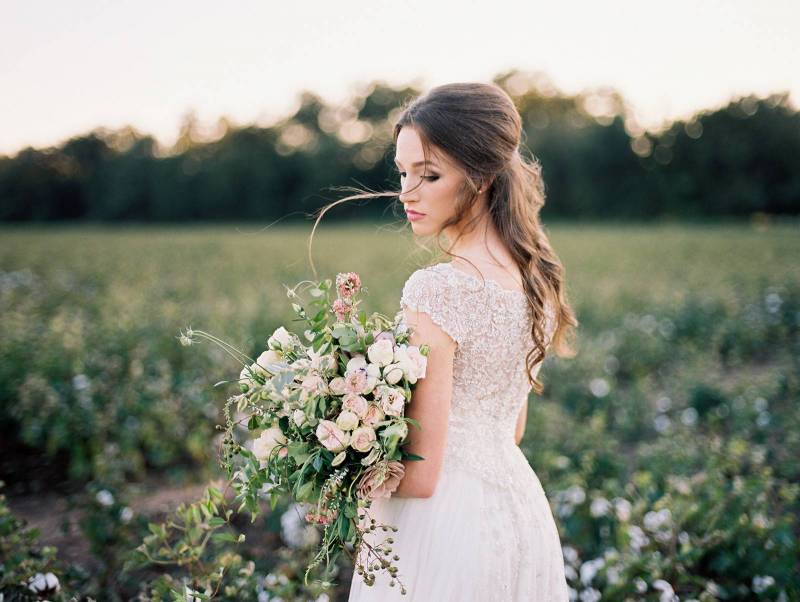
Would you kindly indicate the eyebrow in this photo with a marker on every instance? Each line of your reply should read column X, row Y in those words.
column 416, row 164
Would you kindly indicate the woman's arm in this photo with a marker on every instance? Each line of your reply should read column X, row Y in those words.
column 522, row 420
column 430, row 405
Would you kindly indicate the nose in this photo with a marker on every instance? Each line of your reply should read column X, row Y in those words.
column 409, row 191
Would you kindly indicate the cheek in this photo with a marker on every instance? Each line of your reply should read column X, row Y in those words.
column 444, row 196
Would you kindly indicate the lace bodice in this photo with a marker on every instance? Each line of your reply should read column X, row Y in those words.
column 492, row 328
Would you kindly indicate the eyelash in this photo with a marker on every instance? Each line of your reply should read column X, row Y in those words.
column 429, row 178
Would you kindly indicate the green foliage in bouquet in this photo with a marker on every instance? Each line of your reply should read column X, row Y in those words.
column 328, row 409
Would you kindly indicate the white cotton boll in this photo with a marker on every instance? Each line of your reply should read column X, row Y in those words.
column 52, row 582
column 599, row 507
column 37, row 583
column 622, row 508
column 667, row 593
column 590, row 595
column 589, row 569
column 570, row 554
column 104, row 497
column 576, row 495
column 761, row 583
column 653, row 520
column 599, row 387
column 80, row 382
column 638, row 538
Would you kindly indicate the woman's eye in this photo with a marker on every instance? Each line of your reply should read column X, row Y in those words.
column 429, row 178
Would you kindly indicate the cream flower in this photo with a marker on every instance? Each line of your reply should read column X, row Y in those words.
column 331, row 436
column 268, row 440
column 381, row 352
column 356, row 404
column 347, row 420
column 299, row 417
column 337, row 386
column 280, row 339
column 357, row 362
column 392, row 401
column 264, row 360
column 363, row 438
column 373, row 416
column 418, row 361
column 393, row 373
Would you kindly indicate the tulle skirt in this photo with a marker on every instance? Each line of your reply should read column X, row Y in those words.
column 470, row 541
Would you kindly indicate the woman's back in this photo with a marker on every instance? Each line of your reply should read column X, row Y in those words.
column 487, row 532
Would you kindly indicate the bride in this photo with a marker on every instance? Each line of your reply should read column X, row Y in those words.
column 472, row 518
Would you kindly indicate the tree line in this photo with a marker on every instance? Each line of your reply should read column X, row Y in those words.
column 733, row 161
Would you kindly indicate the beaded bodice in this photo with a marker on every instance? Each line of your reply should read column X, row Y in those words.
column 492, row 328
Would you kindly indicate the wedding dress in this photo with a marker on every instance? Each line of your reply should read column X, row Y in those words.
column 487, row 533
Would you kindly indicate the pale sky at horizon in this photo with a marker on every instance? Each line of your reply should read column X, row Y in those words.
column 67, row 68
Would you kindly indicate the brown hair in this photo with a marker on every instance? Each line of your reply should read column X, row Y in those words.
column 479, row 126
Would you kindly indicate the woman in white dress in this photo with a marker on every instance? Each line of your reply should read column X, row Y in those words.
column 473, row 522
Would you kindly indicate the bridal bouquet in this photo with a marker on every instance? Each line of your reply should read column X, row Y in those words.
column 325, row 418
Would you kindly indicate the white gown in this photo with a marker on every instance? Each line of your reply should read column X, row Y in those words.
column 488, row 532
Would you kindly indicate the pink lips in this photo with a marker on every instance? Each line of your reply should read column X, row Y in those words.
column 413, row 216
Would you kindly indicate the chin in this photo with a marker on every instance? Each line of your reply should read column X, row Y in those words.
column 420, row 230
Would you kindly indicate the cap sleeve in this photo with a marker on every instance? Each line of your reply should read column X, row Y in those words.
column 430, row 292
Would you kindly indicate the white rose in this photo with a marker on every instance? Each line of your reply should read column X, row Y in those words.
column 393, row 373
column 418, row 361
column 268, row 440
column 362, row 439
column 357, row 362
column 280, row 338
column 373, row 376
column 403, row 360
column 392, row 401
column 374, row 415
column 381, row 352
column 269, row 357
column 347, row 420
column 299, row 417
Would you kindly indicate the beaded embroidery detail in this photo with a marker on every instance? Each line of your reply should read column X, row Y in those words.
column 491, row 326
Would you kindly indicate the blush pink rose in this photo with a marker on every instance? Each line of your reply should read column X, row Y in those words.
column 392, row 401
column 355, row 382
column 331, row 436
column 356, row 404
column 381, row 479
column 373, row 416
column 362, row 439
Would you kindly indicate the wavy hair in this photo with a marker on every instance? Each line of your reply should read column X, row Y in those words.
column 479, row 128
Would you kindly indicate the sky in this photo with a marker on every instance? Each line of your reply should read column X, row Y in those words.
column 69, row 67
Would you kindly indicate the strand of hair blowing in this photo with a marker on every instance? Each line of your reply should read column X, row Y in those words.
column 515, row 200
